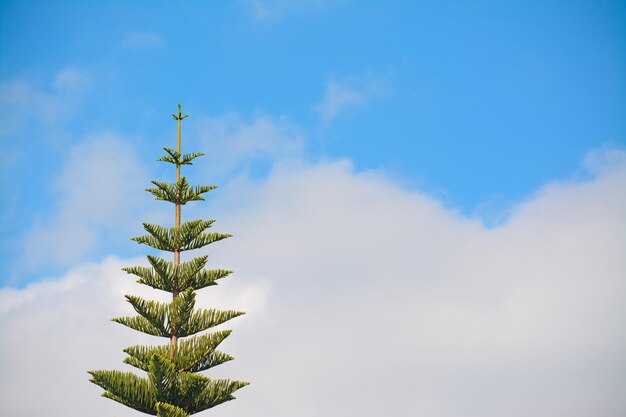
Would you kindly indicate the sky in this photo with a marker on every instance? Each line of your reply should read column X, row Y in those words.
column 427, row 199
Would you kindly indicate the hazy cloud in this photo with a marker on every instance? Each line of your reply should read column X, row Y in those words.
column 98, row 195
column 100, row 186
column 233, row 142
column 26, row 100
column 369, row 299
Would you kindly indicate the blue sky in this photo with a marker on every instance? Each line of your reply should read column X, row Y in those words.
column 477, row 103
column 445, row 178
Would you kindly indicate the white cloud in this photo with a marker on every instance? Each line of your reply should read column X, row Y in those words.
column 67, row 332
column 368, row 299
column 342, row 96
column 143, row 40
column 99, row 192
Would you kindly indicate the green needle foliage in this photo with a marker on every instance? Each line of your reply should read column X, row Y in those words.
column 173, row 386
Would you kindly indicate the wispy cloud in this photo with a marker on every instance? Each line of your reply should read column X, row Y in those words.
column 72, row 79
column 276, row 9
column 341, row 96
column 143, row 40
column 369, row 299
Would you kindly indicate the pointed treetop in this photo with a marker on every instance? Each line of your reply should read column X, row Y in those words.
column 174, row 386
column 180, row 114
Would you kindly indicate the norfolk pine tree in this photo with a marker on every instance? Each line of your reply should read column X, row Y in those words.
column 174, row 387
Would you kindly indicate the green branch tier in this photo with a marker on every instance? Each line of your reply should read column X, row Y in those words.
column 173, row 386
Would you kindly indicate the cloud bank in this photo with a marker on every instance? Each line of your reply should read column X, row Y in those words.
column 368, row 299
